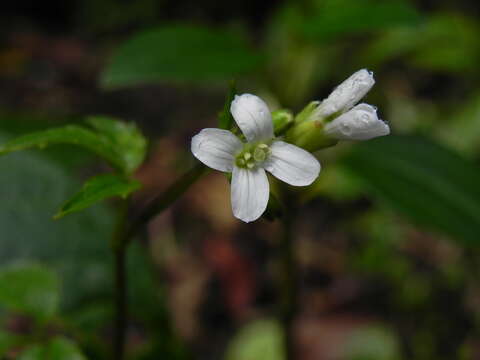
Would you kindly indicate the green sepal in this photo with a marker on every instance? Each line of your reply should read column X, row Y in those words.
column 225, row 118
column 309, row 135
column 307, row 111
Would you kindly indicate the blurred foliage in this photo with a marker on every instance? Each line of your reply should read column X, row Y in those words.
column 30, row 289
column 32, row 188
column 372, row 343
column 261, row 339
column 56, row 349
column 429, row 184
column 179, row 53
column 336, row 18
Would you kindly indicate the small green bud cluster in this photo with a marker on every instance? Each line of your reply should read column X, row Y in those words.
column 252, row 155
column 308, row 130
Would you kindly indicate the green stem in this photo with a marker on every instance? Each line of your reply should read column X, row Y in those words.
column 289, row 280
column 119, row 248
column 123, row 234
column 166, row 198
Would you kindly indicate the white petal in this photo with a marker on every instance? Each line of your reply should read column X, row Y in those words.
column 347, row 94
column 252, row 116
column 292, row 164
column 249, row 193
column 216, row 148
column 360, row 123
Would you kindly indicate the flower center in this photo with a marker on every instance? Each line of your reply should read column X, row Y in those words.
column 252, row 155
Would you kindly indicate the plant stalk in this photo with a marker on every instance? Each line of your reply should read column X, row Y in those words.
column 119, row 248
column 124, row 232
column 166, row 198
column 289, row 281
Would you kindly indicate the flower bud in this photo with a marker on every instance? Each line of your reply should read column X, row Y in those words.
column 282, row 121
column 360, row 123
column 346, row 95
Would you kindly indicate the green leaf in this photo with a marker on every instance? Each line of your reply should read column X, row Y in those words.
column 70, row 134
column 29, row 288
column 343, row 17
column 119, row 143
column 126, row 138
column 225, row 119
column 262, row 339
column 428, row 183
column 97, row 189
column 180, row 53
column 58, row 348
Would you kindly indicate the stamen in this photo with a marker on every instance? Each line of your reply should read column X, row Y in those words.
column 259, row 154
column 252, row 155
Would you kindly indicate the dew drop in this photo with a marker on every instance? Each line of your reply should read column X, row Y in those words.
column 347, row 130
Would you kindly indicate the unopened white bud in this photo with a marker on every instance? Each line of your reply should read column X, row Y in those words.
column 360, row 123
column 347, row 94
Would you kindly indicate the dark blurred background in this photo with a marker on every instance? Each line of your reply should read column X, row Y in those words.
column 386, row 240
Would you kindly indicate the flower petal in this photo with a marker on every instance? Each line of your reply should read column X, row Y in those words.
column 249, row 193
column 360, row 123
column 347, row 94
column 292, row 164
column 216, row 148
column 252, row 116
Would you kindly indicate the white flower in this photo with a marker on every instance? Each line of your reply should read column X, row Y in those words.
column 347, row 94
column 360, row 123
column 223, row 151
column 350, row 123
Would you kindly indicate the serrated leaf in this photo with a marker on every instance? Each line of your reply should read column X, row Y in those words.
column 429, row 184
column 120, row 144
column 129, row 142
column 97, row 189
column 58, row 348
column 30, row 289
column 180, row 53
column 70, row 134
column 342, row 17
column 225, row 119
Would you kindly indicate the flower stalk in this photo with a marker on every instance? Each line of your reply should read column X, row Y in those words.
column 289, row 283
column 119, row 249
column 274, row 142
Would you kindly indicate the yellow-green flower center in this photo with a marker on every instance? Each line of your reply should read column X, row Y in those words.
column 252, row 155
